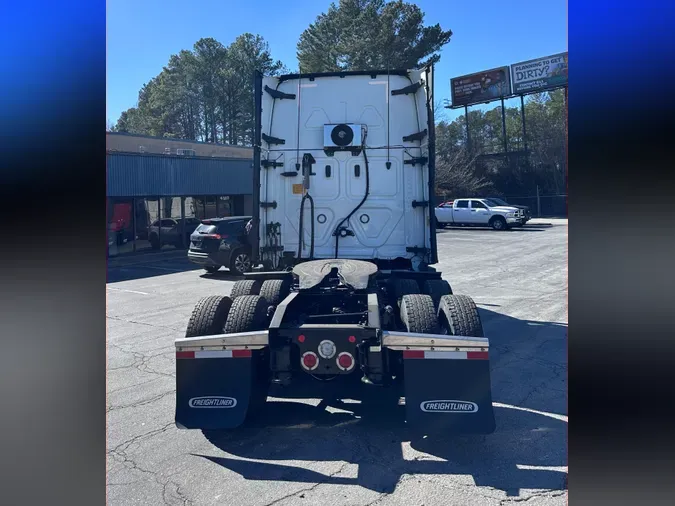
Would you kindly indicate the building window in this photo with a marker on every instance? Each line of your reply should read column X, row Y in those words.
column 147, row 224
column 224, row 206
column 211, row 210
column 171, row 233
column 194, row 207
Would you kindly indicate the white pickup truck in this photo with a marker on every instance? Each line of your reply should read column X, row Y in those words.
column 478, row 212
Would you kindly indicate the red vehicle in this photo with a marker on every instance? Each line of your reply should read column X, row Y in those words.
column 121, row 221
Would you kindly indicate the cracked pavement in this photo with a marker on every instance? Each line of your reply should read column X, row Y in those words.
column 312, row 454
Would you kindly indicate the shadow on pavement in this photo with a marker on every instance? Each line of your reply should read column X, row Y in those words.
column 523, row 452
column 539, row 228
column 141, row 268
column 151, row 268
column 223, row 275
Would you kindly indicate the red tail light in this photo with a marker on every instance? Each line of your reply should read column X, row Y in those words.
column 310, row 361
column 345, row 361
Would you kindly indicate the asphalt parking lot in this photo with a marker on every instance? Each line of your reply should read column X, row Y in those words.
column 310, row 453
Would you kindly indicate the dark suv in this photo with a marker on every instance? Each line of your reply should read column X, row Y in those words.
column 221, row 241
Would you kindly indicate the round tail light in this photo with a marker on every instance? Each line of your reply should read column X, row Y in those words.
column 345, row 361
column 327, row 349
column 310, row 361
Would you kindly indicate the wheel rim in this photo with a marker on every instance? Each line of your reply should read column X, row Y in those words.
column 242, row 262
column 498, row 224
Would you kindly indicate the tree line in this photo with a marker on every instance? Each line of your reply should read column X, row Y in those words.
column 206, row 94
column 474, row 164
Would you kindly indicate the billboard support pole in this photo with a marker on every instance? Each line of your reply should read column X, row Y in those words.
column 506, row 148
column 566, row 142
column 468, row 132
column 522, row 115
column 566, row 113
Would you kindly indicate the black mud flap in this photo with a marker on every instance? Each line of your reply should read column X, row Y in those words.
column 214, row 389
column 448, row 391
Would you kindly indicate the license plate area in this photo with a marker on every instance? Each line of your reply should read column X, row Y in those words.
column 328, row 344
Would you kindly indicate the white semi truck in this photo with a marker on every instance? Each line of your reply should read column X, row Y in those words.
column 344, row 230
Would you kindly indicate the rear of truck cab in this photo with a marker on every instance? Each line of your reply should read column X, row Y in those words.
column 343, row 213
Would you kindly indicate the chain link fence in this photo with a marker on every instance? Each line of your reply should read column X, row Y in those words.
column 542, row 206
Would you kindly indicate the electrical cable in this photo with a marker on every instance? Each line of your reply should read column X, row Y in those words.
column 306, row 196
column 337, row 229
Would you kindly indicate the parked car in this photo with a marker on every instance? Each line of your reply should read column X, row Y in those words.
column 170, row 231
column 478, row 212
column 525, row 209
column 218, row 242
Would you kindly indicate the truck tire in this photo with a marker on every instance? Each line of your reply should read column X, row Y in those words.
column 458, row 315
column 419, row 315
column 436, row 288
column 275, row 290
column 498, row 223
column 248, row 313
column 403, row 286
column 245, row 287
column 209, row 316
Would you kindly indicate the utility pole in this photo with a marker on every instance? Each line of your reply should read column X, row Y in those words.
column 468, row 132
column 522, row 116
column 506, row 146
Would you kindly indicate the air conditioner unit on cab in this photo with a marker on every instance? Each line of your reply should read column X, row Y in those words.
column 342, row 137
column 185, row 152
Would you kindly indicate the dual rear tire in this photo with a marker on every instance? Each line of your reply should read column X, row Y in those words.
column 220, row 314
column 223, row 315
column 244, row 310
column 455, row 315
column 272, row 290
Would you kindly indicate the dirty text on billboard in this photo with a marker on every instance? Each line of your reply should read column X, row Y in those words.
column 480, row 87
column 540, row 74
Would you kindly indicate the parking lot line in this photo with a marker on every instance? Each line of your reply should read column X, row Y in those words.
column 124, row 290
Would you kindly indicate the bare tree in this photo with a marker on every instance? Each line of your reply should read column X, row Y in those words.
column 440, row 112
column 456, row 177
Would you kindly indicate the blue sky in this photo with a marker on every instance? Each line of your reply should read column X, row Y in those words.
column 141, row 35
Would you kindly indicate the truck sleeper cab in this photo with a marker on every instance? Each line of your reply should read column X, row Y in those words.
column 347, row 301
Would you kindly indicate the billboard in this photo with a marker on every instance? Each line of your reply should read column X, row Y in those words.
column 540, row 74
column 480, row 87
